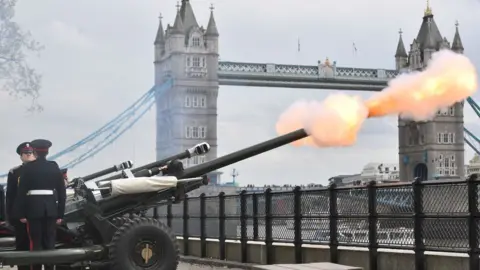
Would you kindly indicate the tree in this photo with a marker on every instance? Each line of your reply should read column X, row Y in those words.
column 16, row 76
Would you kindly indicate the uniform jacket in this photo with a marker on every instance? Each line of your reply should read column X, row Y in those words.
column 13, row 181
column 40, row 175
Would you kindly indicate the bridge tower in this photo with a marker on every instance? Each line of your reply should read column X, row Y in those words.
column 430, row 149
column 186, row 114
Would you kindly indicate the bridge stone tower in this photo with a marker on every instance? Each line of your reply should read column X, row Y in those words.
column 430, row 149
column 187, row 112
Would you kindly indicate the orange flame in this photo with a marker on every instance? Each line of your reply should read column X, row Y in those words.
column 449, row 78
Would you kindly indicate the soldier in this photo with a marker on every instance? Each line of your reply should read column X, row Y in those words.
column 65, row 176
column 37, row 204
column 25, row 151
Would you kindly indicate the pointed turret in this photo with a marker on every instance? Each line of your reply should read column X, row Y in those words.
column 401, row 52
column 187, row 15
column 401, row 57
column 178, row 27
column 160, row 38
column 211, row 34
column 176, row 34
column 212, row 30
column 457, row 44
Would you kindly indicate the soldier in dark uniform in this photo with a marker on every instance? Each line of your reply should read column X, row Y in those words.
column 22, row 243
column 65, row 176
column 37, row 204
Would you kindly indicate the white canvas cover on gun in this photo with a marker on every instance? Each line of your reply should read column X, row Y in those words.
column 142, row 184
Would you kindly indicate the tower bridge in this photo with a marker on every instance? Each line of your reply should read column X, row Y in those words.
column 187, row 54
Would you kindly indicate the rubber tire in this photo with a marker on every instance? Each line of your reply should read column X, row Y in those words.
column 119, row 221
column 131, row 216
column 121, row 245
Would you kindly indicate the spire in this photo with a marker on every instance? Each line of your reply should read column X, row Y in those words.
column 430, row 42
column 160, row 38
column 178, row 25
column 428, row 10
column 212, row 30
column 187, row 15
column 428, row 28
column 401, row 52
column 457, row 44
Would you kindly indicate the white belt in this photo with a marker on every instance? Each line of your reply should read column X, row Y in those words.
column 40, row 192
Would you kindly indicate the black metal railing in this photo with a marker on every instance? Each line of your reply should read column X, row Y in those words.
column 420, row 216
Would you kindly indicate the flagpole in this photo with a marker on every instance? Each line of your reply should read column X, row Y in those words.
column 298, row 54
column 354, row 54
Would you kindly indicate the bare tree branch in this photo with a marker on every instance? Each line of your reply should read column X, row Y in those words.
column 16, row 76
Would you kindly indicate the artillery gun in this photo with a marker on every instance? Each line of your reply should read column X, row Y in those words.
column 96, row 233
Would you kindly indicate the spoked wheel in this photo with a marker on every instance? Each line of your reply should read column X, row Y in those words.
column 146, row 253
column 144, row 244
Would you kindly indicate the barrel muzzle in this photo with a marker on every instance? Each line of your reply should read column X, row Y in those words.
column 199, row 149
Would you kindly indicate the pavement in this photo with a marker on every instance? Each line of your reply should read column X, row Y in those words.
column 187, row 266
column 181, row 266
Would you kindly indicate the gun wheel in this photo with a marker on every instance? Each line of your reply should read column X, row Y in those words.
column 119, row 221
column 144, row 243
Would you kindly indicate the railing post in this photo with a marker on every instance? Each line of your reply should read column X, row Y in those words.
column 270, row 256
column 243, row 226
column 169, row 214
column 474, row 251
column 186, row 216
column 255, row 216
column 221, row 225
column 372, row 225
column 418, row 217
column 333, row 217
column 297, row 224
column 203, row 234
column 155, row 212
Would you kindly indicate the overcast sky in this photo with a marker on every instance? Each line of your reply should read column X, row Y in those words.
column 98, row 60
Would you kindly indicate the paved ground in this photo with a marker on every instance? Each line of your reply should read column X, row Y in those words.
column 186, row 266
column 181, row 266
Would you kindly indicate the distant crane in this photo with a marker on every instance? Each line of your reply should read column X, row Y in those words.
column 234, row 175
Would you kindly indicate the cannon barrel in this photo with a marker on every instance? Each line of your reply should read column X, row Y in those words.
column 240, row 155
column 198, row 149
column 112, row 206
column 122, row 166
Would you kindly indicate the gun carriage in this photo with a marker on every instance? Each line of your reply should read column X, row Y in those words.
column 99, row 231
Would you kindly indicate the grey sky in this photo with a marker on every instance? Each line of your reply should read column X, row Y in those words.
column 99, row 54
